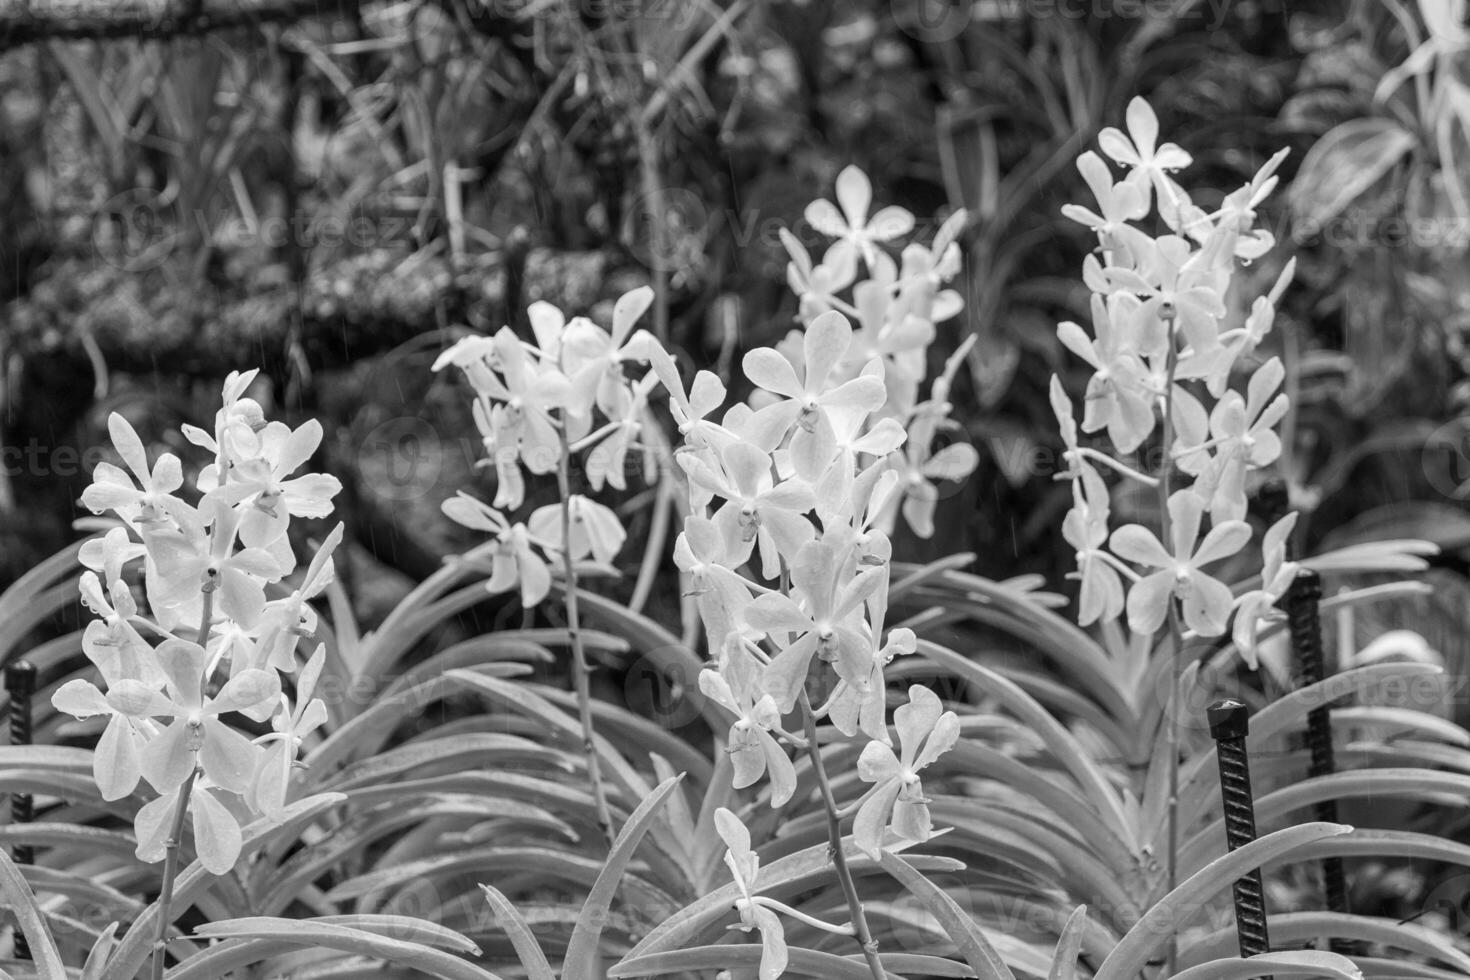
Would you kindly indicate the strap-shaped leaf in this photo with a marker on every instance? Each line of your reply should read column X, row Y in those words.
column 1172, row 912
column 1069, row 945
column 22, row 903
column 802, row 963
column 1295, row 963
column 582, row 952
column 528, row 950
column 1297, row 927
column 959, row 926
column 255, row 940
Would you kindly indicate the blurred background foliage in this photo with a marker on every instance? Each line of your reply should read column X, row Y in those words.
column 332, row 191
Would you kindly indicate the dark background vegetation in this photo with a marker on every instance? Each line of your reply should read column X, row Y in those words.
column 330, row 191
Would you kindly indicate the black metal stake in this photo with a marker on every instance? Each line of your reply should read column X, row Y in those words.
column 1229, row 723
column 1304, row 621
column 20, row 683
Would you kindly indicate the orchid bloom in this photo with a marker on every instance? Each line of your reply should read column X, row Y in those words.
column 189, row 559
column 593, row 358
column 925, row 732
column 217, row 834
column 1149, row 164
column 284, row 621
column 1085, row 528
column 1206, row 600
column 595, row 529
column 818, row 285
column 112, row 642
column 852, row 226
column 512, row 561
column 291, row 727
column 1117, row 397
column 1179, row 286
column 825, row 624
column 276, row 496
column 1259, row 605
column 754, row 751
column 196, row 738
column 758, row 512
column 809, row 393
column 113, row 488
column 863, row 707
column 117, row 760
column 1244, row 438
column 757, row 912
column 1118, row 204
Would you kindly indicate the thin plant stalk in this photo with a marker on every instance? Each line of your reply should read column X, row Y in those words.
column 1176, row 645
column 171, row 872
column 581, row 675
column 181, row 809
column 834, row 844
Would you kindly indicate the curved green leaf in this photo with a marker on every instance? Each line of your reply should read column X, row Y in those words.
column 28, row 914
column 1167, row 916
column 582, row 953
column 960, row 927
column 528, row 950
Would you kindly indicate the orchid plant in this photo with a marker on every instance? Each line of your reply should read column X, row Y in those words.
column 184, row 673
column 1163, row 363
column 793, row 496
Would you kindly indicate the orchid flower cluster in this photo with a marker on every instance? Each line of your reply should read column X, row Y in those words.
column 793, row 496
column 536, row 405
column 179, row 687
column 1162, row 361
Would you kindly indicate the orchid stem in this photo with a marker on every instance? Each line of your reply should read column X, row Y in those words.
column 834, row 844
column 171, row 869
column 1175, row 634
column 581, row 680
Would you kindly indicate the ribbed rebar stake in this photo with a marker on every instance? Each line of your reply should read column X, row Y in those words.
column 20, row 684
column 1229, row 723
column 1302, row 603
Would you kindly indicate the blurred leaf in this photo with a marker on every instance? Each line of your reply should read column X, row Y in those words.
column 1344, row 164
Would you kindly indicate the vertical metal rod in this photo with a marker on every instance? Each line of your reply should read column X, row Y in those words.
column 1303, row 617
column 1301, row 604
column 1229, row 723
column 20, row 684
